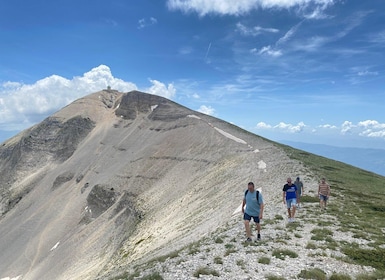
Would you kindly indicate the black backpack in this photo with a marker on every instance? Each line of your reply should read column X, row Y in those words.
column 256, row 195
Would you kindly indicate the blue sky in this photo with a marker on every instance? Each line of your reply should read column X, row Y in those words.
column 300, row 70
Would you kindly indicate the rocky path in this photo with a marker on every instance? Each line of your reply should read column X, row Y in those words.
column 285, row 250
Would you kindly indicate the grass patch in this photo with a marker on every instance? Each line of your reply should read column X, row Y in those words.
column 241, row 263
column 311, row 245
column 264, row 260
column 374, row 257
column 218, row 240
column 218, row 260
column 205, row 271
column 282, row 253
column 340, row 276
column 314, row 273
column 273, row 277
column 153, row 276
column 321, row 234
column 309, row 199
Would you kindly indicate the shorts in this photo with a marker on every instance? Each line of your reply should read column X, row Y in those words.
column 323, row 197
column 291, row 202
column 248, row 218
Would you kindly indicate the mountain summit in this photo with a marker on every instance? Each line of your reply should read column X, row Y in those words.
column 115, row 179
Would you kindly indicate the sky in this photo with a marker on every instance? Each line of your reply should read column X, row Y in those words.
column 311, row 71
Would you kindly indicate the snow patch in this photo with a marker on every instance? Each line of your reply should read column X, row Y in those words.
column 153, row 107
column 228, row 135
column 11, row 278
column 54, row 247
column 193, row 116
column 261, row 164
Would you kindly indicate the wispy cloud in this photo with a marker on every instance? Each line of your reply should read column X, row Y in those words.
column 276, row 49
column 289, row 34
column 377, row 37
column 268, row 50
column 309, row 8
column 145, row 22
column 253, row 31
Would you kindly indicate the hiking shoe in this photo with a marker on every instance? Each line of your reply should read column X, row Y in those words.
column 259, row 236
column 290, row 220
column 248, row 239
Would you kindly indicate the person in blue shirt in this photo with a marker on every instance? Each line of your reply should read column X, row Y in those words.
column 253, row 201
column 289, row 196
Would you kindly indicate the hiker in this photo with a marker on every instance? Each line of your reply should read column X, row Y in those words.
column 289, row 196
column 254, row 209
column 299, row 186
column 324, row 193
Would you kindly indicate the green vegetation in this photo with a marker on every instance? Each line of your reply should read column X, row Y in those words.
column 358, row 205
column 205, row 271
column 264, row 260
column 339, row 276
column 321, row 234
column 357, row 208
column 218, row 240
column 372, row 257
column 282, row 253
column 218, row 260
column 314, row 273
column 153, row 276
column 273, row 277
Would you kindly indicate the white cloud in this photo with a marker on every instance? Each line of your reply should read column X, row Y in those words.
column 144, row 22
column 268, row 50
column 367, row 73
column 239, row 7
column 161, row 89
column 253, row 31
column 368, row 128
column 372, row 128
column 346, row 127
column 328, row 126
column 208, row 110
column 22, row 105
column 290, row 127
column 185, row 50
column 283, row 127
column 263, row 125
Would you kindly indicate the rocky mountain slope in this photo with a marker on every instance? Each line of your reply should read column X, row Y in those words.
column 115, row 180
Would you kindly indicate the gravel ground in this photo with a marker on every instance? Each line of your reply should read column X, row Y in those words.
column 225, row 254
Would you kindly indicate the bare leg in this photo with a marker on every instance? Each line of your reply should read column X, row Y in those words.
column 293, row 212
column 247, row 228
column 258, row 228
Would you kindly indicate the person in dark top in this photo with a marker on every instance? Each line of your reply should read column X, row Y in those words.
column 289, row 196
column 298, row 183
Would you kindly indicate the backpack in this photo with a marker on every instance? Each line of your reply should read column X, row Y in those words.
column 257, row 195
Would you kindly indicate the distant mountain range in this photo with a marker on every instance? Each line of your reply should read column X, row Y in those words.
column 369, row 159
